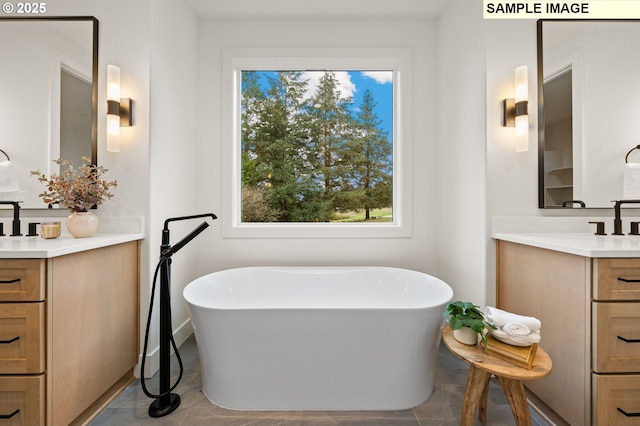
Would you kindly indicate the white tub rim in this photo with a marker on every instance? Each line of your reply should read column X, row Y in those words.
column 206, row 303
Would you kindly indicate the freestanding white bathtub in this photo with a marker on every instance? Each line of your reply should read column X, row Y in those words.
column 317, row 338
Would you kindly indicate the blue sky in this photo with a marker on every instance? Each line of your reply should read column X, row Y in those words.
column 355, row 83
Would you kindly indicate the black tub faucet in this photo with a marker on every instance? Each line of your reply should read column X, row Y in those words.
column 617, row 221
column 15, row 224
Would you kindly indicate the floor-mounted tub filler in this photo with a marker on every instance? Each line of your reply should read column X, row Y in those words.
column 317, row 338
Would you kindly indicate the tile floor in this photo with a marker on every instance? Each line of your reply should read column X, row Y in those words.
column 442, row 408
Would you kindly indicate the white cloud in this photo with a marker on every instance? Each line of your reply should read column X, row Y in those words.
column 381, row 77
column 347, row 87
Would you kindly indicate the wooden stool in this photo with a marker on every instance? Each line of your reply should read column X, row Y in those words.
column 509, row 376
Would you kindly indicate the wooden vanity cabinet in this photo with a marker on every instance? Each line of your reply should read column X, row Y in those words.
column 68, row 334
column 583, row 307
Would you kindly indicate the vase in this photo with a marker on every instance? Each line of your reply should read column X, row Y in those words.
column 466, row 335
column 82, row 224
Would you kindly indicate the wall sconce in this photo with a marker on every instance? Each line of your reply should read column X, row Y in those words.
column 119, row 112
column 515, row 111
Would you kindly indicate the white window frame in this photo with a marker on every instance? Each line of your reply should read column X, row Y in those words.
column 277, row 59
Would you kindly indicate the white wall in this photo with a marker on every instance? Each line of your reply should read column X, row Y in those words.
column 461, row 152
column 173, row 153
column 512, row 177
column 416, row 252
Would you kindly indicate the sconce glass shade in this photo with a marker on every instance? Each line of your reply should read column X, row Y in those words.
column 522, row 115
column 522, row 125
column 515, row 111
column 522, row 84
column 113, row 83
column 522, row 133
column 113, row 101
column 113, row 133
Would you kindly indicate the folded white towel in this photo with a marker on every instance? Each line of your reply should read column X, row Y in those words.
column 500, row 318
column 527, row 340
column 631, row 185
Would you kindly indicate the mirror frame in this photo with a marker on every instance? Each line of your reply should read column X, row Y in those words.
column 94, row 73
column 541, row 128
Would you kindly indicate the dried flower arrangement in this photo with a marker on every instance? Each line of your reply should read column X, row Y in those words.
column 79, row 188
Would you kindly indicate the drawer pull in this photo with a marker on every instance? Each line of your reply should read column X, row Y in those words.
column 15, row 280
column 5, row 342
column 628, row 414
column 8, row 416
column 629, row 280
column 629, row 340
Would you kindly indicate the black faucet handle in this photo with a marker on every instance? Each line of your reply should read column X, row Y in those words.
column 635, row 230
column 33, row 229
column 599, row 228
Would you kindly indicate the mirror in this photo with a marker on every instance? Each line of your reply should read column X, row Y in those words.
column 49, row 87
column 589, row 104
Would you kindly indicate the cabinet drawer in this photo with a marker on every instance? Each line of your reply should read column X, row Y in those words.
column 616, row 337
column 616, row 279
column 22, row 280
column 613, row 396
column 22, row 400
column 22, row 338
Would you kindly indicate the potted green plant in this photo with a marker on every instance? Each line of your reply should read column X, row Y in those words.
column 467, row 322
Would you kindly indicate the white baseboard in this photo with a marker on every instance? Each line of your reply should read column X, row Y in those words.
column 152, row 362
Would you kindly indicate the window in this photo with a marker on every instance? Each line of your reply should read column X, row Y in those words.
column 315, row 143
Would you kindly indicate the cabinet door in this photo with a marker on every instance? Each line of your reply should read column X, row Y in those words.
column 616, row 279
column 543, row 283
column 22, row 338
column 22, row 280
column 93, row 304
column 616, row 337
column 618, row 401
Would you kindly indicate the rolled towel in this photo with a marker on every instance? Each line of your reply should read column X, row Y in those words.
column 524, row 340
column 521, row 333
column 500, row 318
column 515, row 330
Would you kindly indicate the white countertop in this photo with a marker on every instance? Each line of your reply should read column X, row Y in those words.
column 582, row 244
column 37, row 247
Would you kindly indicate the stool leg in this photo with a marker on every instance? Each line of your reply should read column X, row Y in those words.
column 514, row 390
column 477, row 381
column 483, row 404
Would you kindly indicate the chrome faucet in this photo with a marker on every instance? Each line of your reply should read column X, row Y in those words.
column 617, row 221
column 15, row 224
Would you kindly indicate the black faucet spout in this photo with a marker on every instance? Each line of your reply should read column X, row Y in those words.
column 617, row 221
column 15, row 224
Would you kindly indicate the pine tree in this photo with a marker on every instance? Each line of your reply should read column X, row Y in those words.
column 280, row 141
column 373, row 163
column 253, row 100
column 331, row 130
column 304, row 159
